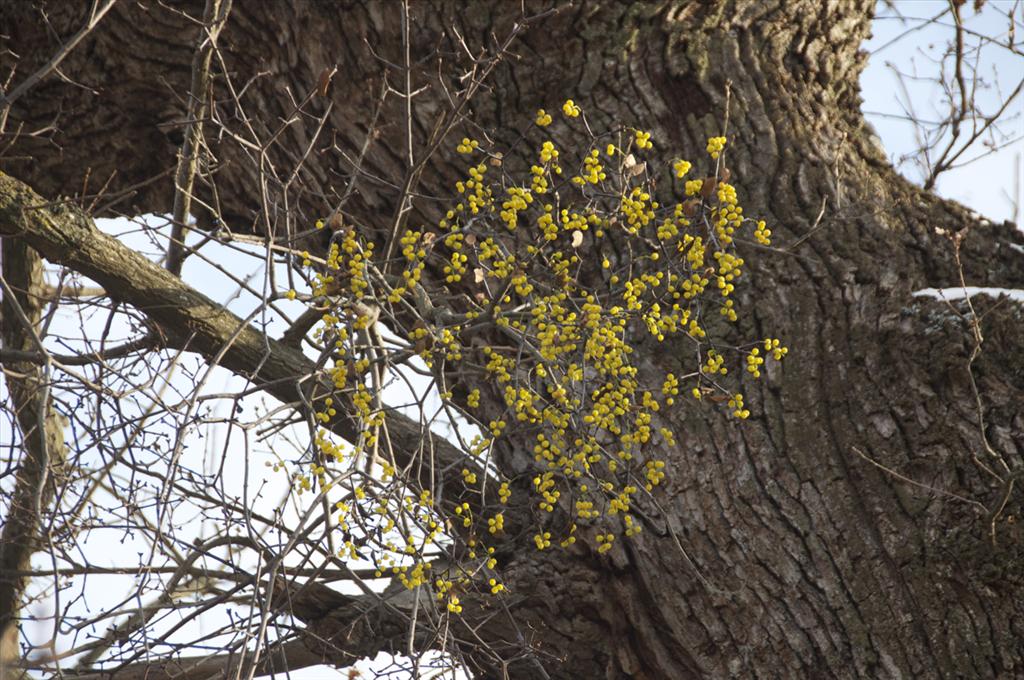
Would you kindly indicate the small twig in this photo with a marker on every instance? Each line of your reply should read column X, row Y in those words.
column 910, row 481
column 814, row 227
column 975, row 324
column 214, row 17
column 408, row 83
column 95, row 16
column 1008, row 491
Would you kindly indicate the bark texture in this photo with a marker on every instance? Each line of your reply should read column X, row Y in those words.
column 778, row 551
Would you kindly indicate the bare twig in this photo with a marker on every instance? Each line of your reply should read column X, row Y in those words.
column 214, row 17
column 96, row 14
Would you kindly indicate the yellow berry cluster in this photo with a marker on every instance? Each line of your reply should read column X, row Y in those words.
column 715, row 146
column 467, row 145
column 548, row 286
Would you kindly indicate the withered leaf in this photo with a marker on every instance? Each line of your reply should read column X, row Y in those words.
column 336, row 222
column 707, row 189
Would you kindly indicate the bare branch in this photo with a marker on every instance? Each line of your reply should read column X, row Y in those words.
column 42, row 430
column 214, row 18
column 193, row 322
column 283, row 658
column 95, row 16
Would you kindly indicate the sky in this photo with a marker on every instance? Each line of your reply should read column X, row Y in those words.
column 990, row 183
column 908, row 39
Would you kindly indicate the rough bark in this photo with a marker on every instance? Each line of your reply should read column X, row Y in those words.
column 782, row 552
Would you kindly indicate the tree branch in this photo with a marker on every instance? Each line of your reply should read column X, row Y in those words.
column 214, row 18
column 289, row 656
column 42, row 430
column 95, row 16
column 193, row 322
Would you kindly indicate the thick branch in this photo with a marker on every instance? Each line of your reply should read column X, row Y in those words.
column 278, row 660
column 42, row 434
column 191, row 321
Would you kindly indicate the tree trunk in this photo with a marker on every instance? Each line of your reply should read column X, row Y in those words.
column 792, row 545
